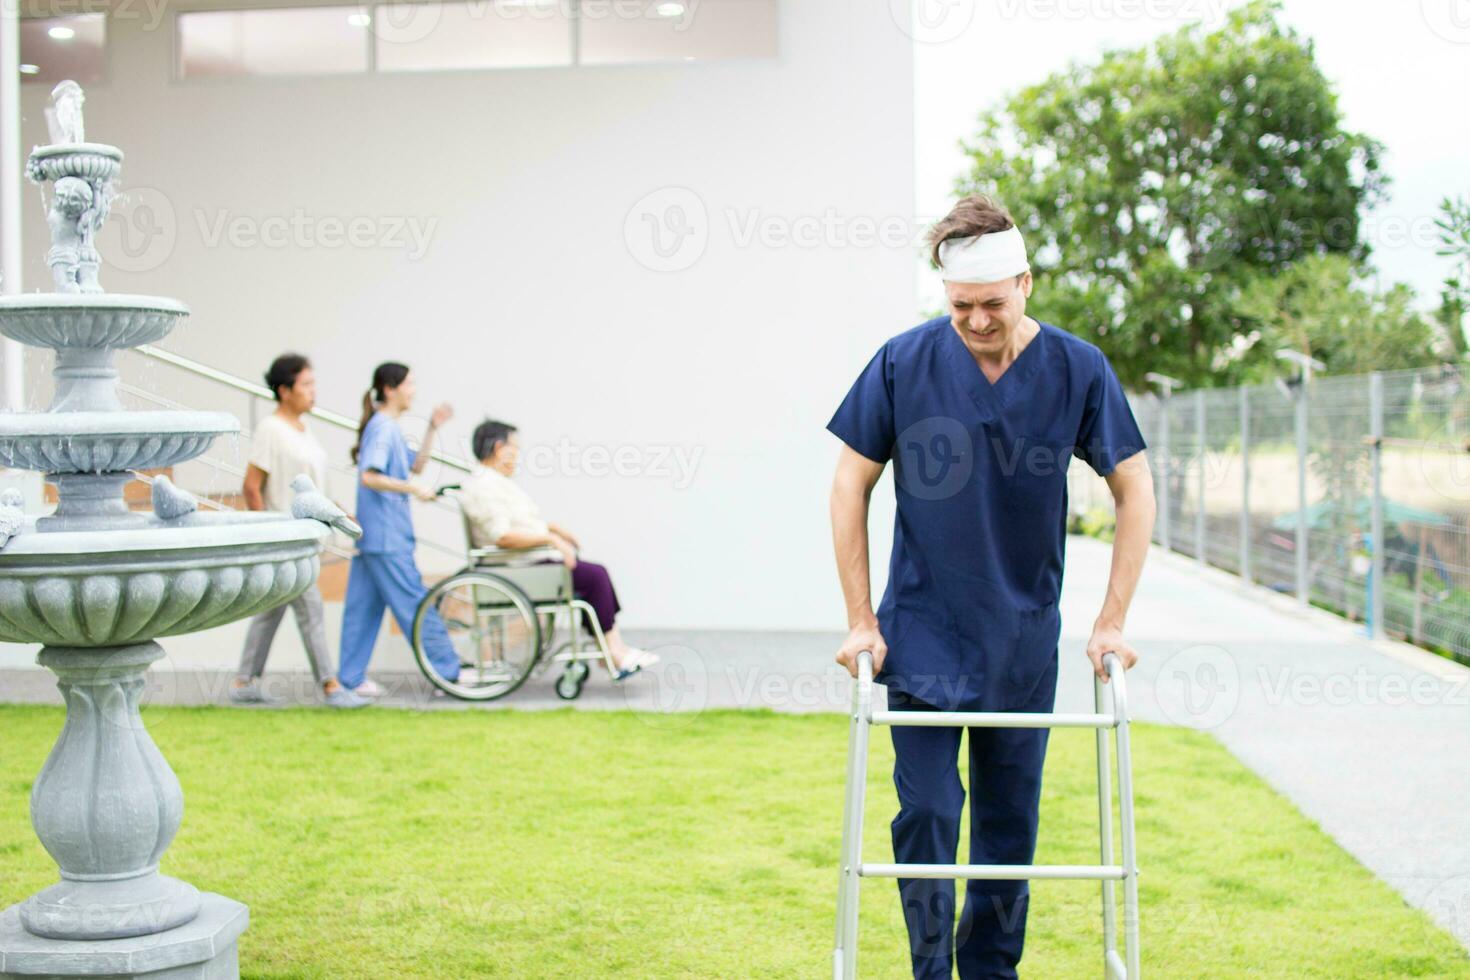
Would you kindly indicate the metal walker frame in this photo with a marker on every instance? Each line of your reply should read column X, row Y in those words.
column 852, row 868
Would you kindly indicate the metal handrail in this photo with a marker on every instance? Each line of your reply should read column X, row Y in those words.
column 262, row 392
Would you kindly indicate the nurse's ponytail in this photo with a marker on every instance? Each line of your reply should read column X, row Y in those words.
column 389, row 374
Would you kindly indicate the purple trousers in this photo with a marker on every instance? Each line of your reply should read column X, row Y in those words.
column 590, row 581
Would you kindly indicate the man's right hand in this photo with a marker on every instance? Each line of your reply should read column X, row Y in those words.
column 862, row 638
column 568, row 553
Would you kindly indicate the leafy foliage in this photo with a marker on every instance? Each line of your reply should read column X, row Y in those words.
column 1323, row 307
column 1454, row 241
column 1159, row 185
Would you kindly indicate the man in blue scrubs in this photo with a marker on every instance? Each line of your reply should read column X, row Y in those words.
column 980, row 412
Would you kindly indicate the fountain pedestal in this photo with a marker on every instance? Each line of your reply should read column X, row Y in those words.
column 205, row 949
column 106, row 806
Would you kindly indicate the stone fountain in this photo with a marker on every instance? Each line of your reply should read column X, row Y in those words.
column 97, row 584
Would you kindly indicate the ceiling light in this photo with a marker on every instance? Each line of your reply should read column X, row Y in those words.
column 61, row 33
column 359, row 19
column 30, row 69
column 669, row 9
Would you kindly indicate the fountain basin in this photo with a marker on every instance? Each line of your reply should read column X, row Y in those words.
column 107, row 442
column 88, row 320
column 82, row 589
column 90, row 161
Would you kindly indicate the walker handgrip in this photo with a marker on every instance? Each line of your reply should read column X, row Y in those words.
column 1113, row 664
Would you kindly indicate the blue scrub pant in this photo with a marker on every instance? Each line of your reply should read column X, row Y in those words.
column 388, row 580
column 1005, row 783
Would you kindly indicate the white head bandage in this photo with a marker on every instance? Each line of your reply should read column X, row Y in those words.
column 984, row 258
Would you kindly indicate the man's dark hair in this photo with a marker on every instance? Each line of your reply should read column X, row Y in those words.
column 488, row 436
column 971, row 216
column 284, row 371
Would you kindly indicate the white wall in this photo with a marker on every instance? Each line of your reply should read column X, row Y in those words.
column 529, row 303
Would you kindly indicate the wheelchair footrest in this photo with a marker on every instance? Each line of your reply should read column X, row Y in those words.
column 996, row 872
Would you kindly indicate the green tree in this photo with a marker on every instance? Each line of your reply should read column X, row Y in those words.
column 1157, row 184
column 1323, row 306
column 1454, row 296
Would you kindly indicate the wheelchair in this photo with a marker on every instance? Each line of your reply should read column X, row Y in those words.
column 503, row 611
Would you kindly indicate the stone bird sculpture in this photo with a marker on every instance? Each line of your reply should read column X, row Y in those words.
column 313, row 505
column 12, row 514
column 169, row 502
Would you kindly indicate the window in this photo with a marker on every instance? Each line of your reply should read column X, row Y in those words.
column 292, row 41
column 616, row 32
column 56, row 48
column 403, row 36
column 500, row 34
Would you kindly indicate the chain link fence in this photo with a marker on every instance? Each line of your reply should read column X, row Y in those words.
column 1351, row 493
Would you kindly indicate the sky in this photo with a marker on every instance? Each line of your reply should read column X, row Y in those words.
column 1401, row 69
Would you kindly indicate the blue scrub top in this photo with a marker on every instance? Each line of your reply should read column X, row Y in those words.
column 980, row 471
column 386, row 522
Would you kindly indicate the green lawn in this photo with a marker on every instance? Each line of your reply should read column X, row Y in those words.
column 566, row 844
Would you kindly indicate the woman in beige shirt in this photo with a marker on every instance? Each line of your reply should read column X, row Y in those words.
column 502, row 515
column 281, row 447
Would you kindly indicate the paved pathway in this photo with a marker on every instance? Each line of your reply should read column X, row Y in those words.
column 1370, row 740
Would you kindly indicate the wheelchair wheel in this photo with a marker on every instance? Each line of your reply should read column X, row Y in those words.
column 569, row 684
column 493, row 628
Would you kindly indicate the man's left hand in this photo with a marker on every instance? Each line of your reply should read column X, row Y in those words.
column 1109, row 639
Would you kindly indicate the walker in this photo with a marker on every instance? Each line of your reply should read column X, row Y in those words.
column 844, row 955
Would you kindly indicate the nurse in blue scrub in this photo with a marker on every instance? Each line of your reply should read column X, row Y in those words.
column 979, row 412
column 384, row 575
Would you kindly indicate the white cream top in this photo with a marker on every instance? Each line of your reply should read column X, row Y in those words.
column 495, row 507
column 284, row 452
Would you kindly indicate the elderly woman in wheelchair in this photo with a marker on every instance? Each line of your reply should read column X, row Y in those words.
column 524, row 575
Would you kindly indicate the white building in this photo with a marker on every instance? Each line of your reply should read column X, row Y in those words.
column 661, row 241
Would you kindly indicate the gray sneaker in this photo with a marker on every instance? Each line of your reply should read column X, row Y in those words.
column 343, row 698
column 250, row 693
